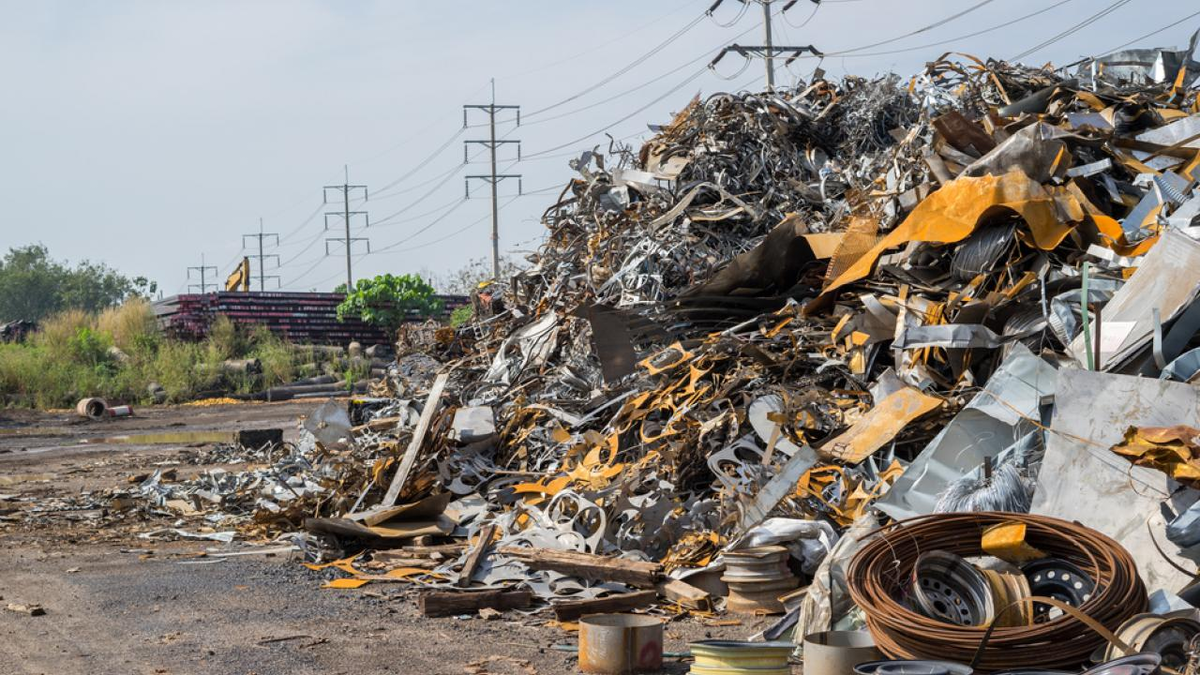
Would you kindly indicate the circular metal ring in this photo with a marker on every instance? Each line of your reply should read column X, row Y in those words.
column 1058, row 579
column 947, row 587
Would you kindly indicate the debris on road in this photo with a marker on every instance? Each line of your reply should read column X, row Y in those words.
column 30, row 609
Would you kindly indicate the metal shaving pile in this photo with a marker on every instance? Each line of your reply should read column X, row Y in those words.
column 784, row 316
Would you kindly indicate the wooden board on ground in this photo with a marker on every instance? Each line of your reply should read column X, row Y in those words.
column 453, row 603
column 589, row 566
column 418, row 437
column 574, row 609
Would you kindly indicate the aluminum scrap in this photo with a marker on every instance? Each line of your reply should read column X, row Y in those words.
column 750, row 284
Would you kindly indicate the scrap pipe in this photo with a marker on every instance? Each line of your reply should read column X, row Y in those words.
column 879, row 576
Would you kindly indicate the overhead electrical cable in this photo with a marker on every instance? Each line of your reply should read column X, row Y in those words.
column 630, row 66
column 1073, row 29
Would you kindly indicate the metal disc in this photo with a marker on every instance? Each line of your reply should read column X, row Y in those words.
column 1059, row 579
column 949, row 588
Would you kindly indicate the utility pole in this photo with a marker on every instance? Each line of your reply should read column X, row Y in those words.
column 262, row 259
column 493, row 178
column 346, row 214
column 768, row 51
column 202, row 269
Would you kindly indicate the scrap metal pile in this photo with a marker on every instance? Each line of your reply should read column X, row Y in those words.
column 790, row 317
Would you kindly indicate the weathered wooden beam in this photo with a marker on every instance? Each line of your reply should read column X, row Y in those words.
column 574, row 609
column 418, row 437
column 378, row 424
column 452, row 603
column 476, row 555
column 685, row 595
column 589, row 566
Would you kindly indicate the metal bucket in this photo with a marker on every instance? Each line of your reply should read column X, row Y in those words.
column 836, row 652
column 620, row 643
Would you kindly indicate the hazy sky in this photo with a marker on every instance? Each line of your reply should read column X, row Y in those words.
column 145, row 134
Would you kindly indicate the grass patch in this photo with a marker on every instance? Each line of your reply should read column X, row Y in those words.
column 71, row 356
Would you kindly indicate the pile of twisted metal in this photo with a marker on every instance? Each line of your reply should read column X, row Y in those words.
column 786, row 320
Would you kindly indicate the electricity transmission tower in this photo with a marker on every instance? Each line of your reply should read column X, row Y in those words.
column 346, row 214
column 262, row 258
column 492, row 143
column 767, row 52
column 202, row 269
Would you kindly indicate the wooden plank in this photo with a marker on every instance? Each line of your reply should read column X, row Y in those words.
column 476, row 555
column 414, row 446
column 685, row 595
column 574, row 609
column 453, row 603
column 378, row 424
column 588, row 566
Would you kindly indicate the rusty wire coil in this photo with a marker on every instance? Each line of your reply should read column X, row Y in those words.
column 880, row 582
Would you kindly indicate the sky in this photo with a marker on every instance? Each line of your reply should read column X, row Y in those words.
column 150, row 135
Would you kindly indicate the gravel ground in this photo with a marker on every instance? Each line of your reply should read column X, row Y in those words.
column 118, row 604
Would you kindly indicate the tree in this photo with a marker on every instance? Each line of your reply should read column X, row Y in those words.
column 33, row 286
column 389, row 300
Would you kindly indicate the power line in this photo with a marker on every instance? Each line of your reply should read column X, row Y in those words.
column 923, row 29
column 346, row 214
column 203, row 274
column 312, row 216
column 494, row 178
column 625, row 35
column 423, row 197
column 419, row 133
column 426, row 228
column 848, row 54
column 1073, row 29
column 379, row 196
column 424, row 162
column 635, row 63
column 1151, row 33
column 421, row 216
column 622, row 94
column 740, row 14
column 262, row 257
column 669, row 92
column 768, row 50
column 806, row 20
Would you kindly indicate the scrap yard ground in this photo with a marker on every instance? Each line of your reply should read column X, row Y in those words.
column 177, row 612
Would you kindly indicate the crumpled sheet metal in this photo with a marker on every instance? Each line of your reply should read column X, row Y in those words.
column 996, row 418
column 1174, row 451
column 1168, row 280
column 1093, row 485
column 880, row 425
column 1140, row 67
column 952, row 214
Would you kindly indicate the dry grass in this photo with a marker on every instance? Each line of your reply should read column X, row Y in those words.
column 131, row 325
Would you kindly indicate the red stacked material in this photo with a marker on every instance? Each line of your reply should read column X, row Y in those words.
column 306, row 318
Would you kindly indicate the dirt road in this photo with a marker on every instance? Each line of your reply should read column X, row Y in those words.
column 118, row 604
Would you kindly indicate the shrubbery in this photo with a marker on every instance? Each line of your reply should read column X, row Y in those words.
column 72, row 356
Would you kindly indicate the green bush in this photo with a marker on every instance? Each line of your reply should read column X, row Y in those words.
column 389, row 300
column 462, row 315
